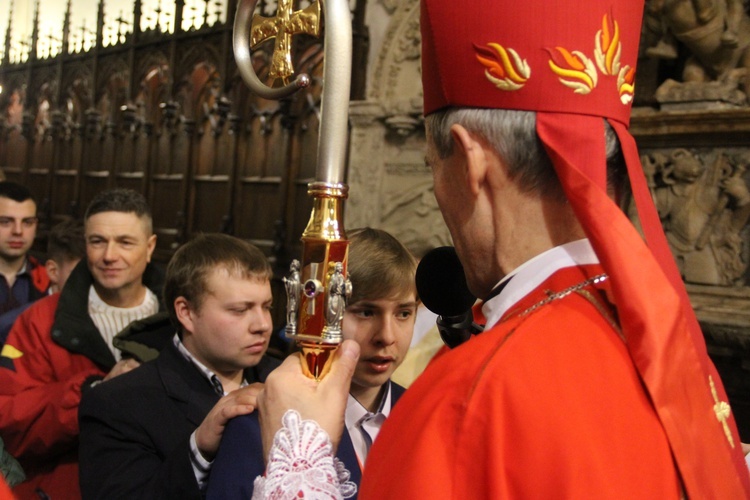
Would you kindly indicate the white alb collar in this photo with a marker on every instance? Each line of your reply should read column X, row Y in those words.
column 532, row 273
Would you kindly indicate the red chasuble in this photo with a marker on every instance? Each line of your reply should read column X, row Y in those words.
column 546, row 404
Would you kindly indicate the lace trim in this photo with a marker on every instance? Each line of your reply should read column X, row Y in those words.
column 301, row 465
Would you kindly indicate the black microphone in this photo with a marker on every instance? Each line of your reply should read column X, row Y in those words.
column 441, row 285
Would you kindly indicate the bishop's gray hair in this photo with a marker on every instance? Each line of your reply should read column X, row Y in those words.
column 512, row 133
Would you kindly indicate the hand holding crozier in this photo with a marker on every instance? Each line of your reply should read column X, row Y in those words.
column 324, row 401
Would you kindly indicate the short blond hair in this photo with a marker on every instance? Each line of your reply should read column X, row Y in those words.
column 379, row 266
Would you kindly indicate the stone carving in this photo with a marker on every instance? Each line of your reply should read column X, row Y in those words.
column 717, row 35
column 389, row 5
column 390, row 187
column 680, row 96
column 397, row 66
column 412, row 215
column 703, row 208
column 409, row 46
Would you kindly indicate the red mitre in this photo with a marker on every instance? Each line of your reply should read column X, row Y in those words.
column 573, row 62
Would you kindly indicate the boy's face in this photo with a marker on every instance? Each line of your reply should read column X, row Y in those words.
column 230, row 329
column 383, row 329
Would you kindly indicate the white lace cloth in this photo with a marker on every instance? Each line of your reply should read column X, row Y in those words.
column 301, row 465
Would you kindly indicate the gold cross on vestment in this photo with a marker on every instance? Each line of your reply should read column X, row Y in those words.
column 287, row 23
column 722, row 410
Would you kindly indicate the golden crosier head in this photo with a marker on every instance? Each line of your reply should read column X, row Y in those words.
column 316, row 296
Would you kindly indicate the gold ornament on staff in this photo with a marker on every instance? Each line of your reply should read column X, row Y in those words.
column 318, row 287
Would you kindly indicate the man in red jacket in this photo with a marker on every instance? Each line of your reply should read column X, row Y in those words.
column 62, row 345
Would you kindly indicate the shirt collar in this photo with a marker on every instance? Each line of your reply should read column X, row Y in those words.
column 533, row 273
column 25, row 268
column 212, row 378
column 355, row 412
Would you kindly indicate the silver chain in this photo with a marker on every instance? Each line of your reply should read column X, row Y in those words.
column 564, row 293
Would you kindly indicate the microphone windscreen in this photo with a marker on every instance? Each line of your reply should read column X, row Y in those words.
column 441, row 283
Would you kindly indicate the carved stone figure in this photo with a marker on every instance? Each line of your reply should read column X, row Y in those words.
column 293, row 288
column 703, row 211
column 716, row 33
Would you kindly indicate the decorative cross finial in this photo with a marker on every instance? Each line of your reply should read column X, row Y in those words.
column 722, row 410
column 287, row 23
column 120, row 22
column 51, row 39
column 84, row 32
column 25, row 48
column 158, row 10
column 193, row 17
column 217, row 10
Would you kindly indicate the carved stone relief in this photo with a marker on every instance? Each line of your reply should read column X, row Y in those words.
column 390, row 187
column 716, row 36
column 410, row 209
column 703, row 201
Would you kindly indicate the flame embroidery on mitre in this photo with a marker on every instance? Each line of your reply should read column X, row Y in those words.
column 575, row 70
column 626, row 84
column 608, row 47
column 503, row 67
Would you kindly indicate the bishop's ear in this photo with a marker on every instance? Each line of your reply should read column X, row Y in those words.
column 474, row 152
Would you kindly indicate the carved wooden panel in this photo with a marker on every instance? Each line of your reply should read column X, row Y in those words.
column 168, row 185
column 18, row 126
column 42, row 153
column 262, row 155
column 63, row 194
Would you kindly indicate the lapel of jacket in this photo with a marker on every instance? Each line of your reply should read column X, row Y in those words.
column 73, row 328
column 348, row 456
column 346, row 451
column 185, row 385
column 396, row 392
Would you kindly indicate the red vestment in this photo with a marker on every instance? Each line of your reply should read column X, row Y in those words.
column 545, row 404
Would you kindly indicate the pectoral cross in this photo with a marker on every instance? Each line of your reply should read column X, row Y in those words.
column 722, row 410
column 287, row 23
